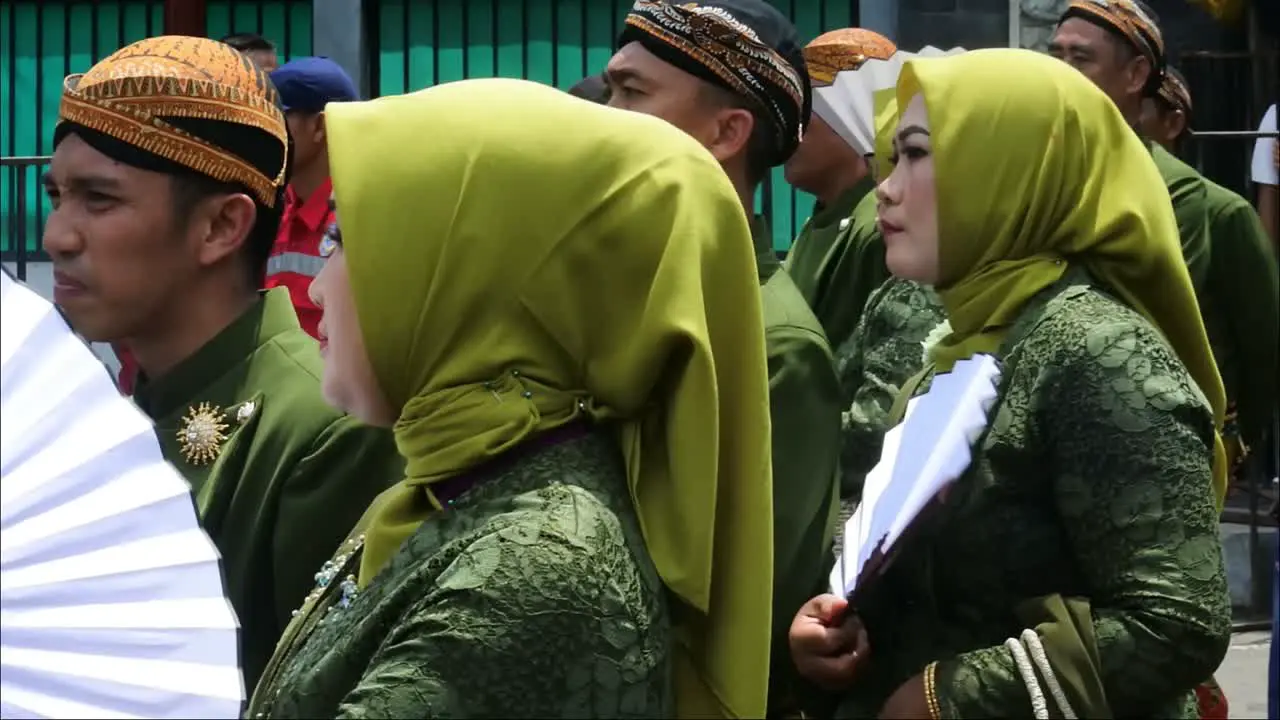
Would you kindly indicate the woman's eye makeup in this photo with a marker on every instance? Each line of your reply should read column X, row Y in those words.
column 911, row 152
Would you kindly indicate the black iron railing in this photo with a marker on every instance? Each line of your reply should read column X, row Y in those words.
column 22, row 221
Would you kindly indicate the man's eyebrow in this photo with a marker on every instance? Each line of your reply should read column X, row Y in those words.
column 99, row 183
column 616, row 76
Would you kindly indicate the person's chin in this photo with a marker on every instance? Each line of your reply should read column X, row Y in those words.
column 87, row 326
column 332, row 392
column 900, row 263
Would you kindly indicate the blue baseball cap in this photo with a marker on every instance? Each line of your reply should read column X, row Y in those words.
column 308, row 84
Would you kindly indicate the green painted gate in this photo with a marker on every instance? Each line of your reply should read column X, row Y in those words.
column 420, row 43
column 40, row 44
column 43, row 41
column 287, row 23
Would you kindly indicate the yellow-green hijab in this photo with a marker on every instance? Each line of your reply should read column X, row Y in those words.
column 520, row 258
column 1062, row 179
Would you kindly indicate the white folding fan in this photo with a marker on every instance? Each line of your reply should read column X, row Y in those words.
column 924, row 454
column 848, row 103
column 111, row 596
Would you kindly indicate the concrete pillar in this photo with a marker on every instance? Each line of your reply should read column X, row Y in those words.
column 337, row 28
column 880, row 16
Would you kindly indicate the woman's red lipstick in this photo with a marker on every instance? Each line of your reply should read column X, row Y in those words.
column 888, row 228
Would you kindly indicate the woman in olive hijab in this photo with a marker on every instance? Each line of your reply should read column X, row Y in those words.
column 563, row 330
column 1075, row 568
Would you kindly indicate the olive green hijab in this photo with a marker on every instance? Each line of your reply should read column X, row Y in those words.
column 1063, row 181
column 519, row 259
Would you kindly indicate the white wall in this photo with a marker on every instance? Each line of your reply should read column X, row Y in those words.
column 40, row 279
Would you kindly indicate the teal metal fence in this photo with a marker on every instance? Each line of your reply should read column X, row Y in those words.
column 420, row 43
column 43, row 42
column 287, row 23
column 413, row 44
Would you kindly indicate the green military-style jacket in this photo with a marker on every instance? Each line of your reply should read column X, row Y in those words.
column 821, row 242
column 804, row 408
column 1188, row 191
column 1240, row 307
column 279, row 476
column 838, row 263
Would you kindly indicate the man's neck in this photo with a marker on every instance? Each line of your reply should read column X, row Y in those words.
column 1132, row 113
column 840, row 184
column 187, row 327
column 306, row 180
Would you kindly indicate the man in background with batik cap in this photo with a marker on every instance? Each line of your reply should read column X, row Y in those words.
column 832, row 263
column 730, row 73
column 1118, row 45
column 166, row 182
column 306, row 86
column 1240, row 300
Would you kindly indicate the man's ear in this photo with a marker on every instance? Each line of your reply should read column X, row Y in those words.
column 1139, row 72
column 732, row 133
column 318, row 129
column 225, row 222
column 1178, row 124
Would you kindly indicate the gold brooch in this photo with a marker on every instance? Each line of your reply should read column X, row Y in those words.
column 202, row 434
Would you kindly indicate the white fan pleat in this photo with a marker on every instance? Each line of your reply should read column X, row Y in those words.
column 174, row 550
column 112, row 602
column 123, row 509
column 130, row 685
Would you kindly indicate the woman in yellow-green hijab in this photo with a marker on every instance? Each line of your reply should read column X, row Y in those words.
column 1075, row 568
column 555, row 305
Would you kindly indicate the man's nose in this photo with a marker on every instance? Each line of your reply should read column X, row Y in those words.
column 61, row 239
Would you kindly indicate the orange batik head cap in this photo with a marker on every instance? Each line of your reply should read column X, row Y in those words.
column 159, row 94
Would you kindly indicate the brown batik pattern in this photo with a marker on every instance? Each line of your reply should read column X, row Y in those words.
column 844, row 50
column 715, row 39
column 1175, row 92
column 126, row 95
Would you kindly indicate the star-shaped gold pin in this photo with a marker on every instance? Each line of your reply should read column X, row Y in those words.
column 202, row 434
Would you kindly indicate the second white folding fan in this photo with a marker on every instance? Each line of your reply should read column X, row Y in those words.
column 848, row 103
column 111, row 597
column 924, row 454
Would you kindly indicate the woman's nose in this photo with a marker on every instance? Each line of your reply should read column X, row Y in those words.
column 884, row 193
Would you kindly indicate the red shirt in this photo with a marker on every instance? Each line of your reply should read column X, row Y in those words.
column 295, row 259
column 128, row 375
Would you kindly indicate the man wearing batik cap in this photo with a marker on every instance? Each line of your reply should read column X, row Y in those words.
column 731, row 74
column 306, row 86
column 838, row 258
column 1240, row 295
column 1118, row 45
column 167, row 178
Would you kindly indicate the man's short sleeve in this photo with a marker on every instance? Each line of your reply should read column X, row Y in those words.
column 1264, row 151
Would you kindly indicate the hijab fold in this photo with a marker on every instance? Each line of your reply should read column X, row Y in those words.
column 514, row 271
column 1071, row 185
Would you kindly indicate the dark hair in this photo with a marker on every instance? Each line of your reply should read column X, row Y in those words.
column 760, row 146
column 249, row 42
column 188, row 188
